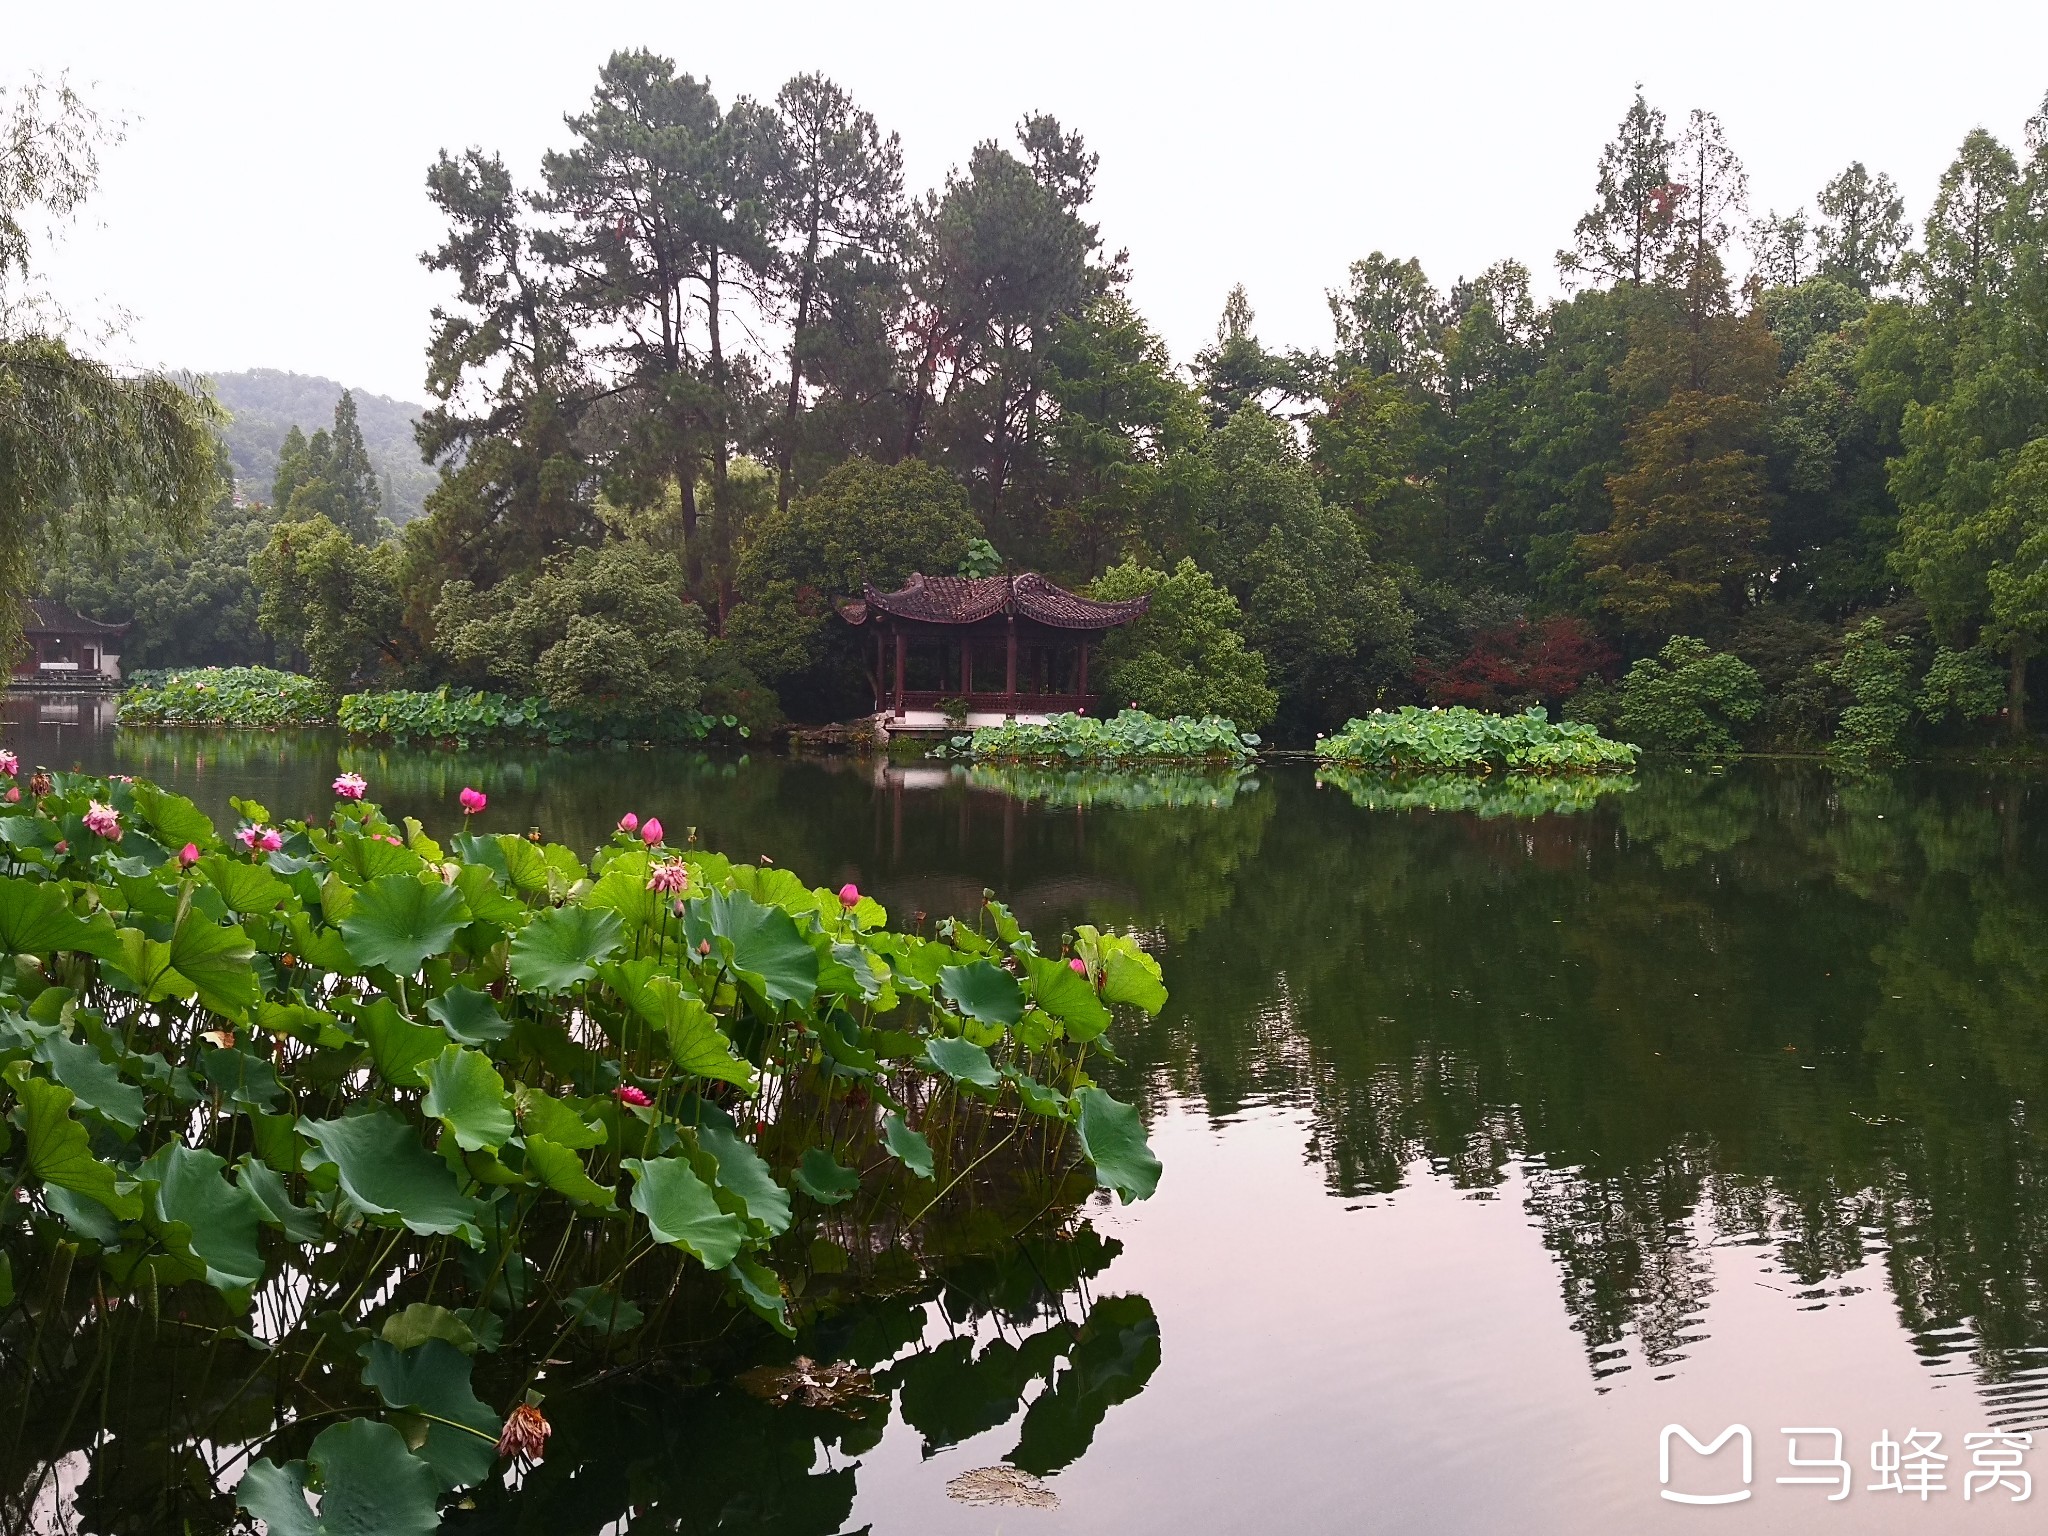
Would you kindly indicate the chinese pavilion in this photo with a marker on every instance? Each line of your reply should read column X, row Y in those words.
column 941, row 642
column 62, row 648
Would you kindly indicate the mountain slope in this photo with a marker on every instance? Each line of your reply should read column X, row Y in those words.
column 265, row 403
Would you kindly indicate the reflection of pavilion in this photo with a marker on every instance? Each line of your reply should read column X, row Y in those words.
column 930, row 633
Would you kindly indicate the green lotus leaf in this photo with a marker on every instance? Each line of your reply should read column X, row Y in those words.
column 681, row 1210
column 203, row 1217
column 387, row 1173
column 57, row 1150
column 244, row 1079
column 35, row 919
column 421, row 1321
column 602, row 1310
column 370, row 1485
column 761, row 1289
column 486, row 900
column 907, row 1146
column 1131, row 976
column 743, row 1173
column 962, row 1060
column 763, row 944
column 433, row 1377
column 1068, row 996
column 177, row 821
column 267, row 1187
column 146, row 963
column 1113, row 1139
column 400, row 1048
column 469, row 1015
column 542, row 1114
column 562, row 946
column 983, row 991
column 819, row 1175
column 465, row 1093
column 371, row 859
column 695, row 1042
column 563, row 1172
column 246, row 888
column 216, row 961
column 398, row 921
column 99, row 1087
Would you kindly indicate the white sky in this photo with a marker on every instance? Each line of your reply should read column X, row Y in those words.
column 267, row 209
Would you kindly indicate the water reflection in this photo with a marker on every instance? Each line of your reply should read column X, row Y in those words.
column 1769, row 1011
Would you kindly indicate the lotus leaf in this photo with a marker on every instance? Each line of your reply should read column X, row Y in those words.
column 99, row 1087
column 742, row 1172
column 909, row 1147
column 387, row 1173
column 1068, row 996
column 432, row 1376
column 398, row 921
column 564, row 946
column 469, row 1015
column 963, row 1061
column 602, row 1309
column 762, row 943
column 58, row 1150
column 466, row 1094
column 370, row 1485
column 983, row 991
column 1113, row 1138
column 681, row 1210
column 563, row 1172
column 203, row 1217
column 819, row 1175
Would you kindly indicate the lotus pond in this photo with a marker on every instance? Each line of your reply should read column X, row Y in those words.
column 1498, row 1133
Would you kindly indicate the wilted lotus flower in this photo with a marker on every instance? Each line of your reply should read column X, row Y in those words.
column 351, row 786
column 629, row 822
column 40, row 783
column 104, row 820
column 626, row 1093
column 526, row 1433
column 671, row 878
column 472, row 800
column 849, row 895
column 650, row 834
column 188, row 856
column 1078, row 966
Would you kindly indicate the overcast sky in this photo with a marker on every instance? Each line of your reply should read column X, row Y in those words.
column 267, row 208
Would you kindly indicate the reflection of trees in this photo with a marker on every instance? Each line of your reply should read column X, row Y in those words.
column 1768, row 1003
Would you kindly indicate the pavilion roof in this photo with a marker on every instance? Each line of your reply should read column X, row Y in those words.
column 40, row 616
column 963, row 600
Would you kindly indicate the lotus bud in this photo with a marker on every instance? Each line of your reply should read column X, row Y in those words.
column 629, row 822
column 472, row 800
column 650, row 834
column 627, row 1094
column 703, row 946
column 14, row 795
column 1078, row 966
column 188, row 856
column 849, row 895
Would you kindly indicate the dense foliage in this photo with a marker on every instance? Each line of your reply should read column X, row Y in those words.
column 1514, row 794
column 343, row 1084
column 1688, row 698
column 256, row 698
column 1466, row 741
column 1129, row 736
column 1186, row 655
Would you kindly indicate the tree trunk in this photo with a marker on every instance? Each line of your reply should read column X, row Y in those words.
column 2016, row 693
column 796, row 336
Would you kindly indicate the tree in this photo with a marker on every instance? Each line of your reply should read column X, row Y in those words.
column 1511, row 668
column 1186, row 654
column 330, row 476
column 1967, row 259
column 1623, row 238
column 835, row 194
column 81, row 445
column 1781, row 249
column 1688, row 698
column 609, row 633
column 1862, row 230
column 1234, row 370
column 333, row 600
column 1389, row 321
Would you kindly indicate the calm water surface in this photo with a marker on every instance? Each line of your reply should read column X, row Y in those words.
column 1494, row 1144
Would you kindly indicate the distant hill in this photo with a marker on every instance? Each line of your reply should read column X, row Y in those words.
column 266, row 403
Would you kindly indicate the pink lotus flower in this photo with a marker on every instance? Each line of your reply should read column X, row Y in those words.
column 670, row 879
column 104, row 820
column 703, row 946
column 9, row 764
column 1078, row 966
column 63, row 846
column 626, row 1093
column 849, row 895
column 259, row 838
column 650, row 834
column 14, row 796
column 629, row 822
column 351, row 786
column 472, row 800
column 188, row 856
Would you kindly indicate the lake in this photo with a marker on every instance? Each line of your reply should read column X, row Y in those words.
column 1494, row 1144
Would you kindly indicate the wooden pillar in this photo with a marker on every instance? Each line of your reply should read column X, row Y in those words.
column 899, row 674
column 881, row 674
column 966, row 665
column 1083, row 689
column 1010, row 664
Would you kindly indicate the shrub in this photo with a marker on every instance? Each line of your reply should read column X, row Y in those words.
column 1467, row 741
column 1966, row 684
column 1524, row 663
column 1186, row 655
column 1688, row 698
column 1130, row 736
column 1876, row 673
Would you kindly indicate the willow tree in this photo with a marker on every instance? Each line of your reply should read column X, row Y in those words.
column 80, row 442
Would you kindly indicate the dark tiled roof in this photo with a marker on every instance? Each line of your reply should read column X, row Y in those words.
column 43, row 617
column 971, row 599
